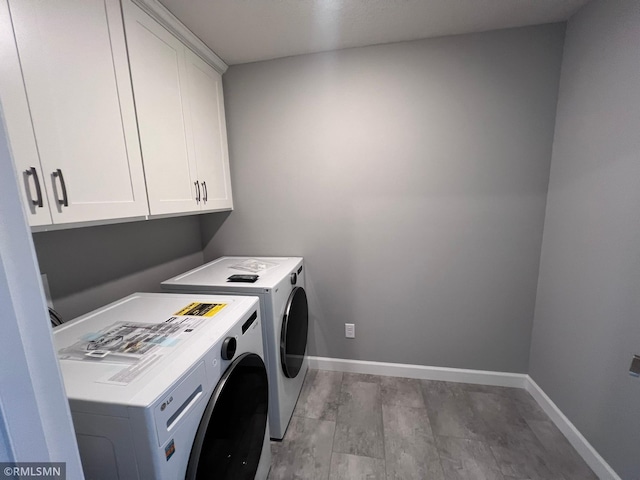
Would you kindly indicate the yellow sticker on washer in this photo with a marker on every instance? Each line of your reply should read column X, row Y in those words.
column 201, row 309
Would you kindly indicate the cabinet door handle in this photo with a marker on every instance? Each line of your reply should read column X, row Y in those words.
column 38, row 201
column 206, row 194
column 65, row 200
column 197, row 184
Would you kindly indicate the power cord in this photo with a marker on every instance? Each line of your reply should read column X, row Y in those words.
column 55, row 317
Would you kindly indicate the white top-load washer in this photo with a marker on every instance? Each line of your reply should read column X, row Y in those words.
column 280, row 283
column 164, row 386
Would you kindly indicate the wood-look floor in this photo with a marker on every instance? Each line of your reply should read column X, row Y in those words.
column 353, row 426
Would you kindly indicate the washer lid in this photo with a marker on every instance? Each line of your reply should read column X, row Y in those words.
column 196, row 323
column 214, row 275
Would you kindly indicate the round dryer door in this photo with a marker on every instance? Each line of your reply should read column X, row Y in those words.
column 293, row 338
column 229, row 440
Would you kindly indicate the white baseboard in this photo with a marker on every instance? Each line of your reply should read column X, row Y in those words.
column 480, row 377
column 598, row 464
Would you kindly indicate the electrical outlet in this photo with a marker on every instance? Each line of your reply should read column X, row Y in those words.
column 350, row 330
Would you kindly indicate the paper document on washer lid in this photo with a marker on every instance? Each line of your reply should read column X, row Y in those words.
column 129, row 342
column 253, row 265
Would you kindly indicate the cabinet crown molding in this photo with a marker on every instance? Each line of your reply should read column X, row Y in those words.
column 163, row 16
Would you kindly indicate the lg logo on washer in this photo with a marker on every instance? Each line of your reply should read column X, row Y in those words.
column 166, row 404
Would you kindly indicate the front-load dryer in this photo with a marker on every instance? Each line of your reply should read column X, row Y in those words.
column 167, row 387
column 279, row 283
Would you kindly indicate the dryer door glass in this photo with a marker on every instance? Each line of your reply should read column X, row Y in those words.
column 231, row 434
column 293, row 338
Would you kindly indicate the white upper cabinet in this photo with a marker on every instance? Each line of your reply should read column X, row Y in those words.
column 157, row 71
column 18, row 125
column 76, row 75
column 206, row 106
column 181, row 119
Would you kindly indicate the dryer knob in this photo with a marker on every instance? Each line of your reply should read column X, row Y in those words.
column 229, row 348
column 294, row 278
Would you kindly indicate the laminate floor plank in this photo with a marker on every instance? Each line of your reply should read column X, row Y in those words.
column 451, row 411
column 359, row 422
column 354, row 467
column 464, row 459
column 320, row 395
column 401, row 391
column 305, row 451
column 348, row 377
column 410, row 449
column 562, row 456
column 525, row 460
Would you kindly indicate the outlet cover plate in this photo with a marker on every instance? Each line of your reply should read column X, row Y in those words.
column 349, row 330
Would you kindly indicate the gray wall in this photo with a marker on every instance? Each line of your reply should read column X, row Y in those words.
column 413, row 178
column 92, row 266
column 587, row 320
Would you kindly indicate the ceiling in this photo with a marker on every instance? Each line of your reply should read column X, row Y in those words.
column 242, row 31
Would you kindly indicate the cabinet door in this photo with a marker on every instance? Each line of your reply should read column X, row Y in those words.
column 158, row 69
column 206, row 106
column 18, row 126
column 76, row 75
